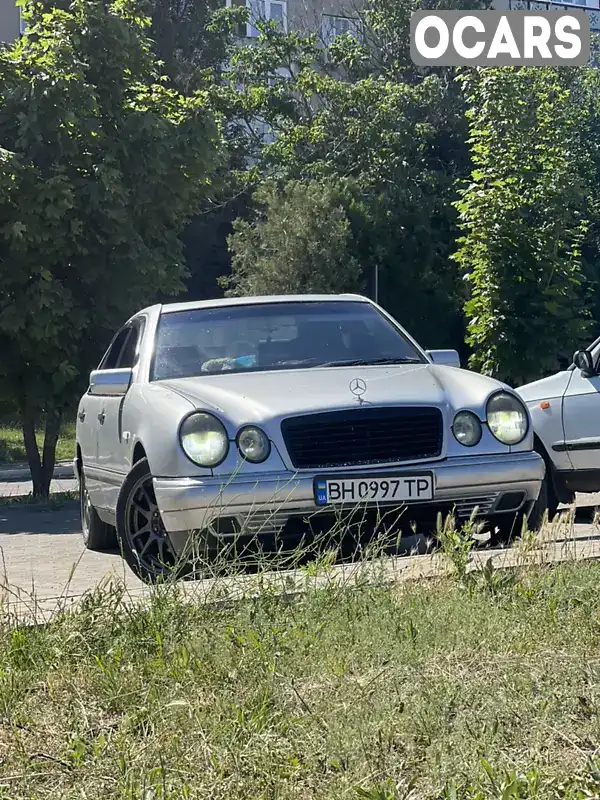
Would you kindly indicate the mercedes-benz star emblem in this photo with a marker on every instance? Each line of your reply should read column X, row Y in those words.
column 358, row 387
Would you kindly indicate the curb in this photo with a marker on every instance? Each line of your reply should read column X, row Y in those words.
column 63, row 469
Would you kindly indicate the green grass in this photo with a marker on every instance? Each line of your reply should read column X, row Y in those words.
column 12, row 450
column 437, row 689
column 55, row 501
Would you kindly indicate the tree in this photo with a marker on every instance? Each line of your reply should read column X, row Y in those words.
column 194, row 39
column 190, row 40
column 361, row 111
column 300, row 242
column 101, row 166
column 525, row 216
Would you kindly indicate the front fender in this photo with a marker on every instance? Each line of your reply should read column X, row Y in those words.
column 152, row 413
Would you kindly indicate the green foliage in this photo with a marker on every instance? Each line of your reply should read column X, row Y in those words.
column 300, row 242
column 190, row 39
column 362, row 112
column 101, row 166
column 525, row 216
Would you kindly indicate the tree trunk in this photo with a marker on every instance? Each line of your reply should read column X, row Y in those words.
column 31, row 448
column 51, row 434
column 41, row 467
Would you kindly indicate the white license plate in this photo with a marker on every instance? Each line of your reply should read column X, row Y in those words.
column 399, row 489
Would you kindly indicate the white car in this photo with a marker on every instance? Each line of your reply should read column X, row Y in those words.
column 206, row 422
column 565, row 410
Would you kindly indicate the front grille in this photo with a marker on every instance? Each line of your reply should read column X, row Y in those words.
column 363, row 436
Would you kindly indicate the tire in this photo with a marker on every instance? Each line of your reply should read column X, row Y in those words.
column 144, row 542
column 511, row 527
column 97, row 534
column 545, row 506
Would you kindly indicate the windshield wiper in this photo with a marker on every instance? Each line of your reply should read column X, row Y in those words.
column 372, row 362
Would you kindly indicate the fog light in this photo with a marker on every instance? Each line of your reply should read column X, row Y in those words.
column 467, row 428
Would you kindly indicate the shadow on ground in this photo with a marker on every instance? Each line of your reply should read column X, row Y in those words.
column 34, row 519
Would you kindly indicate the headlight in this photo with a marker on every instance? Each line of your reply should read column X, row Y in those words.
column 507, row 418
column 253, row 444
column 467, row 428
column 204, row 440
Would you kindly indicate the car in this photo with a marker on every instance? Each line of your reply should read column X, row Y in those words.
column 565, row 411
column 207, row 422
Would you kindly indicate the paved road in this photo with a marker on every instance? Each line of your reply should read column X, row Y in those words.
column 42, row 560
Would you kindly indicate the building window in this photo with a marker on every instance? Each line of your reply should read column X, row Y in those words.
column 274, row 10
column 339, row 26
column 22, row 23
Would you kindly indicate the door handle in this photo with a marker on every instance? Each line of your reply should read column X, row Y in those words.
column 81, row 415
column 101, row 417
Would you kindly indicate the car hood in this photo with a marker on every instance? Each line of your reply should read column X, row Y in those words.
column 256, row 397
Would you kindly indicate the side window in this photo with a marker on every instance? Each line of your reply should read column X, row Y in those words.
column 130, row 353
column 111, row 357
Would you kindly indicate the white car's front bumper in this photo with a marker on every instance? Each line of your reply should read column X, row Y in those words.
column 487, row 483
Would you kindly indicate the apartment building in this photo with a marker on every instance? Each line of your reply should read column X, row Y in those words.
column 11, row 24
column 551, row 5
column 326, row 17
column 331, row 17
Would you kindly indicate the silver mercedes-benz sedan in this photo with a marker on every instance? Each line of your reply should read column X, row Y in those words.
column 263, row 416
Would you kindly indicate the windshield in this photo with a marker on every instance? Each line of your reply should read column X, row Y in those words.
column 276, row 336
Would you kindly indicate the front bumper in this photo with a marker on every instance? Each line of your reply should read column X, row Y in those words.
column 469, row 483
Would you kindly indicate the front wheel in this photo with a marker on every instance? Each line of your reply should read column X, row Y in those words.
column 142, row 535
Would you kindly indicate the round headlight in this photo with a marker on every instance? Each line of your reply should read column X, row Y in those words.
column 204, row 440
column 467, row 428
column 253, row 444
column 507, row 418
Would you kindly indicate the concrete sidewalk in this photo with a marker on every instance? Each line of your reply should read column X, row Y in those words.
column 19, row 489
column 21, row 473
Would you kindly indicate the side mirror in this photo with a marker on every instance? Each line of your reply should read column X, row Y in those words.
column 446, row 358
column 584, row 362
column 111, row 382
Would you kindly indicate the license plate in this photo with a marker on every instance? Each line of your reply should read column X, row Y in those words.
column 398, row 489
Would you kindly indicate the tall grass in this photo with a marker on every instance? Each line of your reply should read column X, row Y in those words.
column 320, row 682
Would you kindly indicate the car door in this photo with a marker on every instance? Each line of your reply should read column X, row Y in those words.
column 89, row 417
column 581, row 417
column 113, row 441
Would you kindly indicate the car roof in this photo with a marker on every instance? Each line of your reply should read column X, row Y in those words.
column 193, row 305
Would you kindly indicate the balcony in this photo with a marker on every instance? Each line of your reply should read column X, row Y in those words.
column 537, row 5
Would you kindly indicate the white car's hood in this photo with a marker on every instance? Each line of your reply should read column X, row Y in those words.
column 255, row 397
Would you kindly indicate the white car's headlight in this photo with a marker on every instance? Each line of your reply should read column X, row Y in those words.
column 204, row 439
column 507, row 418
column 467, row 428
column 253, row 444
